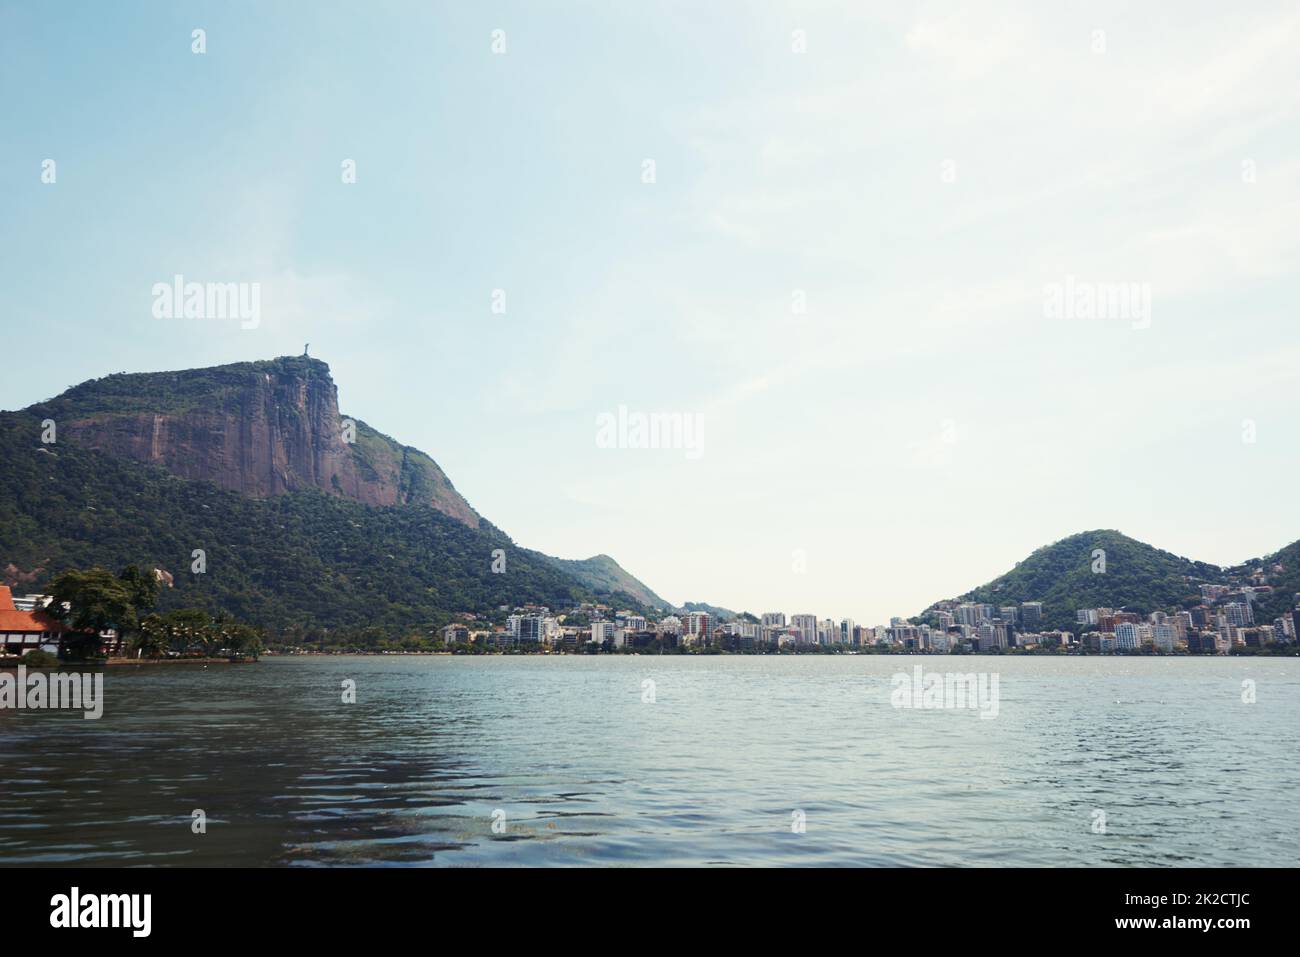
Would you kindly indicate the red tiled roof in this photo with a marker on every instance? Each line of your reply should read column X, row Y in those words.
column 29, row 621
column 11, row 619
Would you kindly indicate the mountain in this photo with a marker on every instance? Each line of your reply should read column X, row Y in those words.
column 258, row 428
column 719, row 614
column 1137, row 577
column 602, row 574
column 301, row 530
column 1281, row 572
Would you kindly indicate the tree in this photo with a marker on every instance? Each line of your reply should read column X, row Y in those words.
column 187, row 627
column 152, row 641
column 95, row 599
column 141, row 586
column 91, row 601
column 243, row 640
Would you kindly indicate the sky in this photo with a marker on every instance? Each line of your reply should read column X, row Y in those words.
column 840, row 268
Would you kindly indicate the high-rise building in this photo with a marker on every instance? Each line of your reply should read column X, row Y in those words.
column 1239, row 614
column 1126, row 636
column 828, row 633
column 806, row 626
column 632, row 622
column 1031, row 614
column 698, row 625
column 847, row 629
column 774, row 619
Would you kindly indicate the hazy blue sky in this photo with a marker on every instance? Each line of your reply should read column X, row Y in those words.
column 921, row 173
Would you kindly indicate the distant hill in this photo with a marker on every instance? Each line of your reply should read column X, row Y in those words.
column 605, row 576
column 1282, row 571
column 302, row 530
column 257, row 428
column 1137, row 577
column 722, row 614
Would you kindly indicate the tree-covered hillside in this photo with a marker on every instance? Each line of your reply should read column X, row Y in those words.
column 1282, row 573
column 300, row 562
column 1137, row 577
column 601, row 573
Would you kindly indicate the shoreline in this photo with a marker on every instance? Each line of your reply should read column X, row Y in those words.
column 177, row 661
column 651, row 654
column 12, row 663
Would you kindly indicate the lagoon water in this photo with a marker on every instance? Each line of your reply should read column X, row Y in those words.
column 574, row 767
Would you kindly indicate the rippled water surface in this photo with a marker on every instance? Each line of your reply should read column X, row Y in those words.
column 577, row 769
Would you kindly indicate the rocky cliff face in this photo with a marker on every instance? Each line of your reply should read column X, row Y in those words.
column 259, row 428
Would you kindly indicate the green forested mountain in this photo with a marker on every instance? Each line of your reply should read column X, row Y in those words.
column 719, row 613
column 301, row 530
column 1137, row 577
column 304, row 528
column 1281, row 571
column 602, row 574
column 259, row 428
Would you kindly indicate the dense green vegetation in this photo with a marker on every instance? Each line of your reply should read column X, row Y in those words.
column 306, row 566
column 1137, row 577
column 603, row 574
column 1285, row 583
column 719, row 613
column 95, row 599
column 126, row 393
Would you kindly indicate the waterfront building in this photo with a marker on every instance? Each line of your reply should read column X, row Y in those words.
column 22, row 630
column 1127, row 636
column 806, row 626
column 1239, row 614
column 848, row 632
column 632, row 622
column 1165, row 636
column 1031, row 614
column 698, row 626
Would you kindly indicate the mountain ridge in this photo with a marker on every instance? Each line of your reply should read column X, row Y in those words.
column 269, row 433
column 1064, row 575
column 259, row 428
